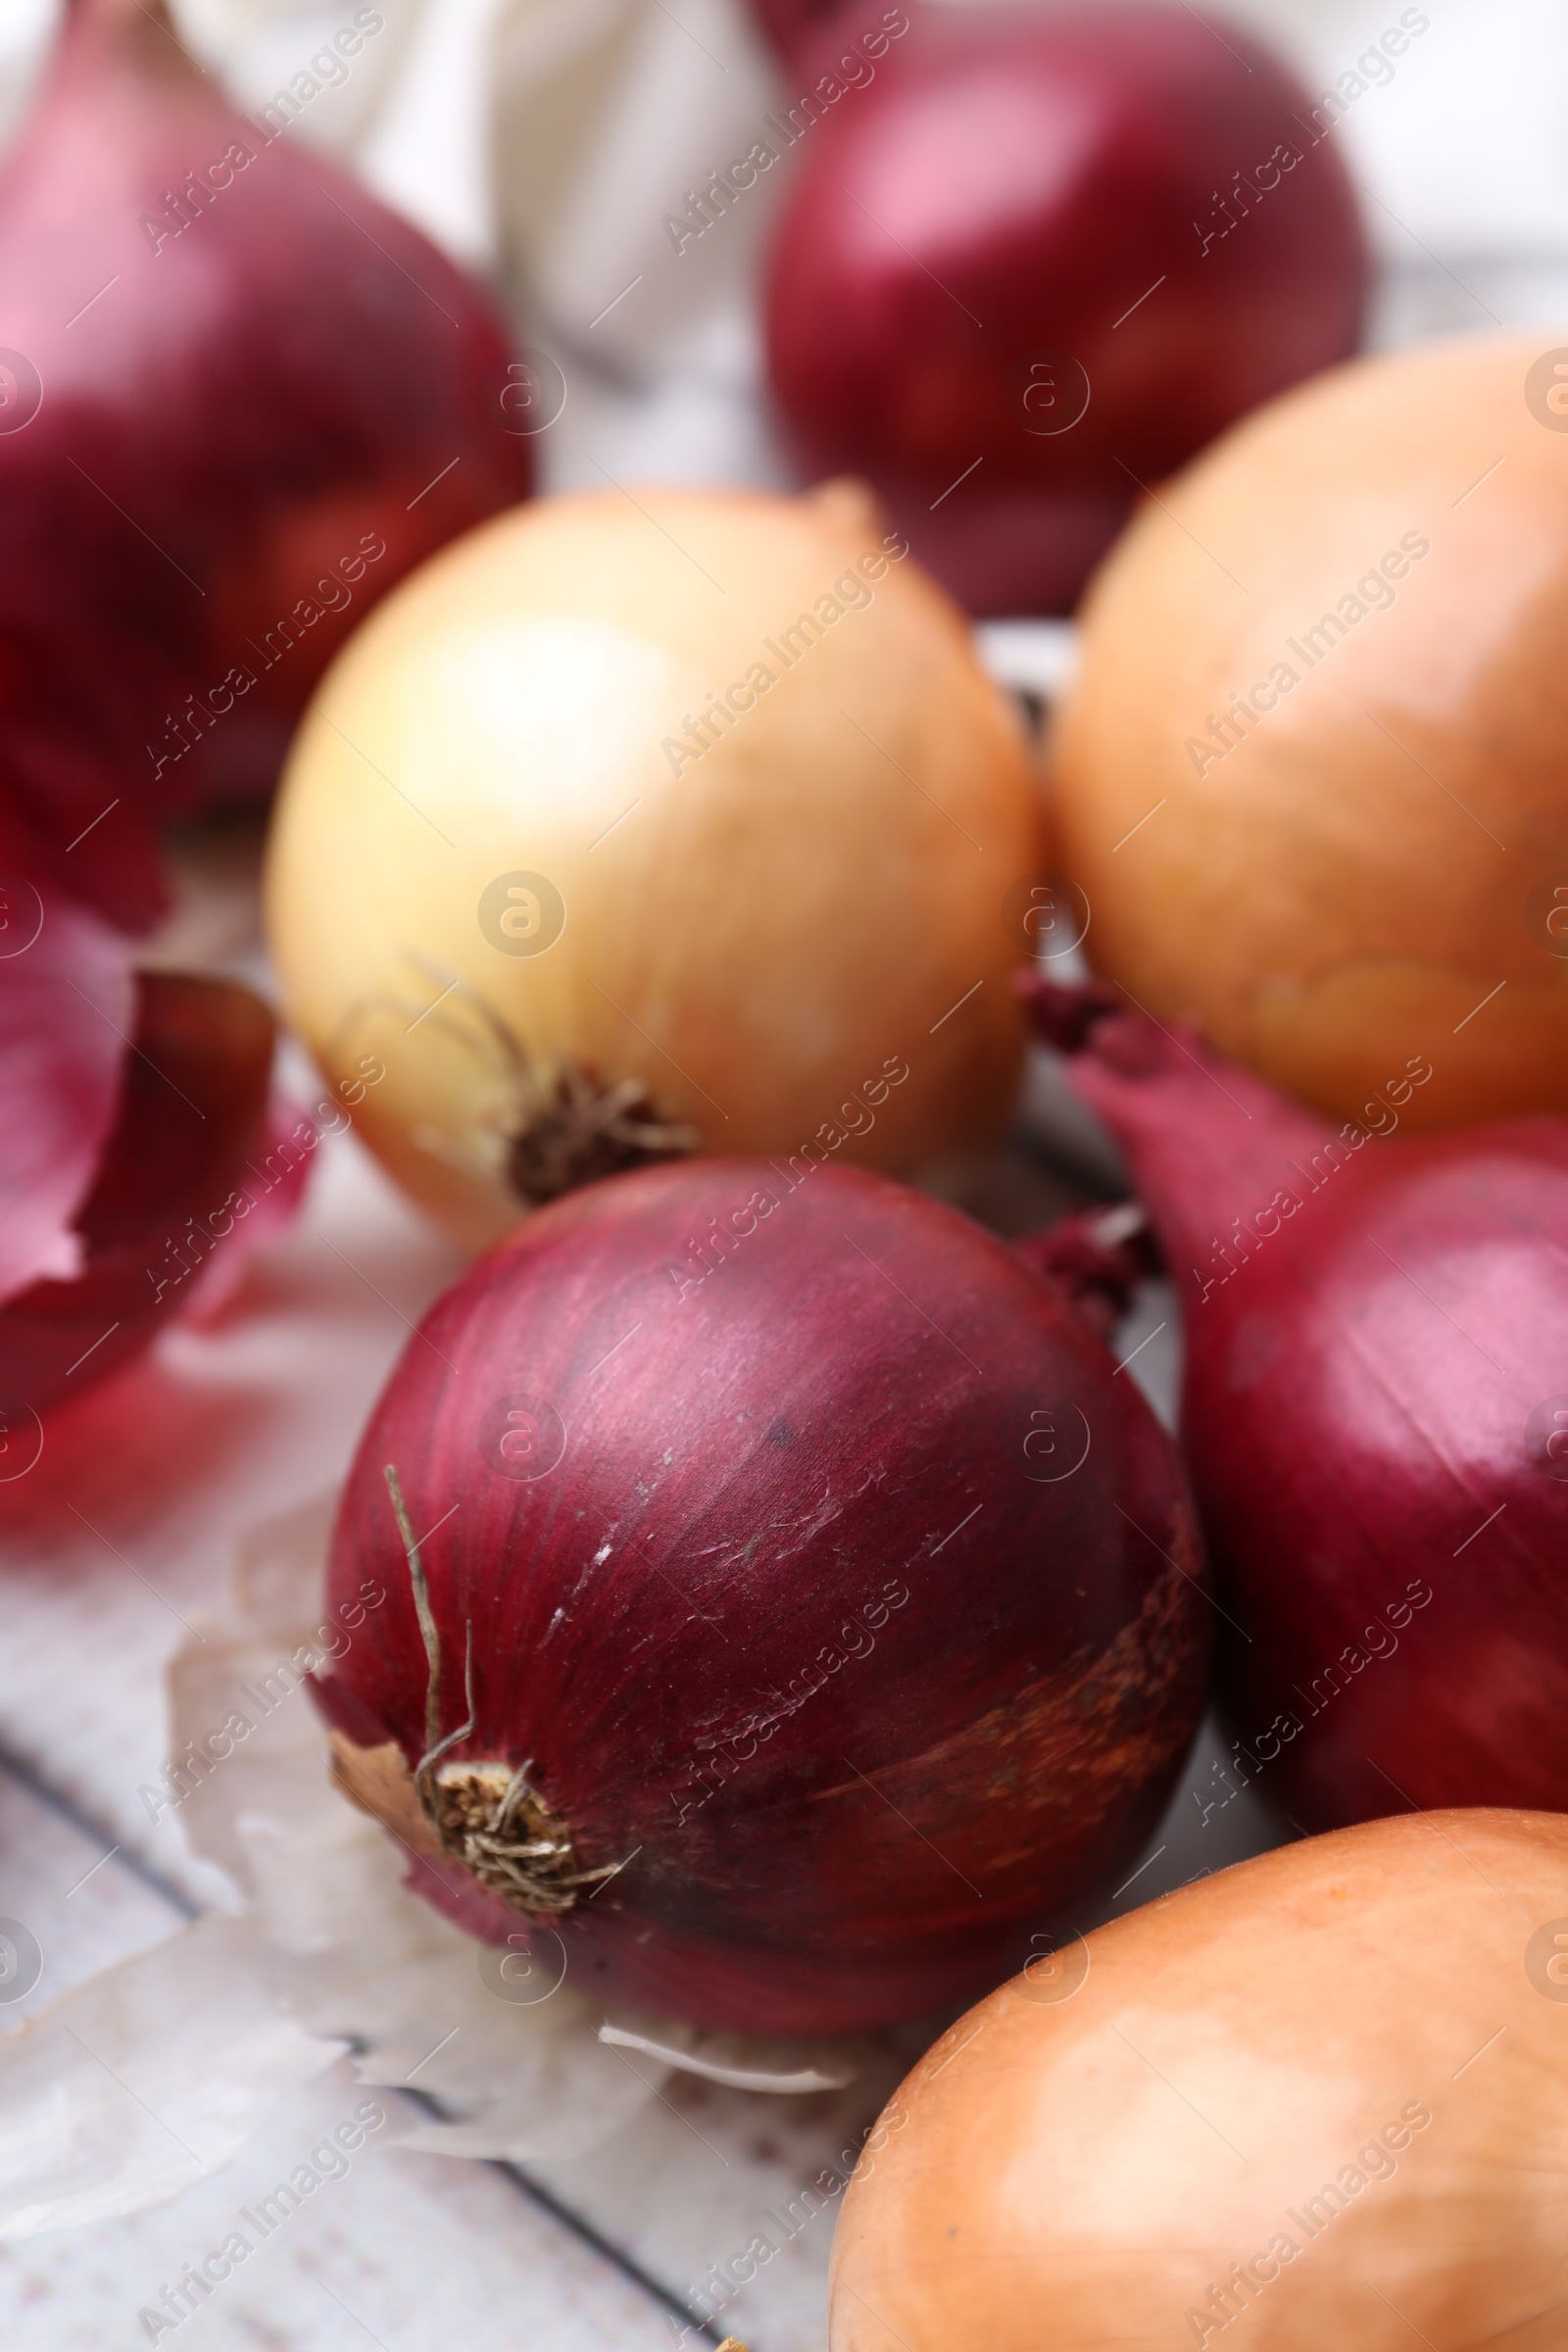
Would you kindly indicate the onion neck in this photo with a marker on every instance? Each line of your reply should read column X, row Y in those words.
column 484, row 1814
column 1205, row 1142
column 1097, row 1258
column 571, row 1127
column 139, row 36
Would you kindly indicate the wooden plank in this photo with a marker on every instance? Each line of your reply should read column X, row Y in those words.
column 387, row 2249
column 71, row 1899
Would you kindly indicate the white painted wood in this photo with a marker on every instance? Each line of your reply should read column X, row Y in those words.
column 400, row 2251
column 73, row 1896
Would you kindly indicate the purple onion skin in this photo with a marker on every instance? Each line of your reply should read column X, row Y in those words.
column 190, row 1130
column 1367, row 1418
column 218, row 419
column 793, row 24
column 1018, row 181
column 749, row 1469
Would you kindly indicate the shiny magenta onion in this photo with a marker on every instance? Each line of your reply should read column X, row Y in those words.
column 789, row 1606
column 238, row 399
column 1374, row 1417
column 1032, row 257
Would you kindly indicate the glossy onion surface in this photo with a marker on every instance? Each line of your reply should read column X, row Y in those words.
column 238, row 399
column 1315, row 2100
column 835, row 1593
column 1361, row 841
column 1032, row 259
column 1375, row 1420
column 638, row 825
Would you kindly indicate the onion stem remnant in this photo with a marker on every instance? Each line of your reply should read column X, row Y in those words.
column 485, row 1815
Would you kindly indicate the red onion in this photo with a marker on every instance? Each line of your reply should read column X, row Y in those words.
column 1374, row 1419
column 790, row 25
column 829, row 1608
column 232, row 383
column 134, row 1121
column 1034, row 258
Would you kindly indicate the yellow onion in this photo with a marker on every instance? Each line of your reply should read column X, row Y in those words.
column 1311, row 775
column 635, row 825
column 1314, row 2104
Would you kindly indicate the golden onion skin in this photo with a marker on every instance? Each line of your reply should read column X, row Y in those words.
column 1082, row 2160
column 1361, row 864
column 754, row 934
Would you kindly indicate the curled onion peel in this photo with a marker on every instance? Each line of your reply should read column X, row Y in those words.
column 67, row 1003
column 1374, row 1417
column 790, row 1620
column 191, row 1168
column 1313, row 2101
column 231, row 380
column 586, row 917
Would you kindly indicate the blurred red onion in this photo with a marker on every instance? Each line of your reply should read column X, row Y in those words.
column 238, row 399
column 1034, row 258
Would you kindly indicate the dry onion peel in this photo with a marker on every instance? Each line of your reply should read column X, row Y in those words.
column 712, row 2070
column 67, row 999
column 142, row 1158
column 137, row 2084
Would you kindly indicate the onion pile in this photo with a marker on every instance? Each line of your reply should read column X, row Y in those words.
column 1310, row 772
column 638, row 825
column 789, row 1607
column 1315, row 2102
column 238, row 399
column 1031, row 259
column 1374, row 1417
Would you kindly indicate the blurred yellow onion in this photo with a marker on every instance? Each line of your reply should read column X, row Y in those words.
column 637, row 824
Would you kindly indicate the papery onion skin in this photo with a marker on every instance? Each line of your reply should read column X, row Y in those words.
column 1087, row 2171
column 194, row 1136
column 1374, row 1417
column 1364, row 865
column 738, row 1481
column 68, row 998
column 231, row 415
column 798, row 933
column 1005, row 185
